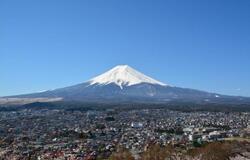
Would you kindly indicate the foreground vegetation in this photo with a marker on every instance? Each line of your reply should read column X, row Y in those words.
column 210, row 151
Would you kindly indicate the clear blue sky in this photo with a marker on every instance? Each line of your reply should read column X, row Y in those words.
column 200, row 44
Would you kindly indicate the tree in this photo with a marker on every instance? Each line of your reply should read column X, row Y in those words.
column 212, row 151
column 156, row 152
column 217, row 151
column 122, row 154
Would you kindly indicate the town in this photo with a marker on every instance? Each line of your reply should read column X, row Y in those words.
column 62, row 134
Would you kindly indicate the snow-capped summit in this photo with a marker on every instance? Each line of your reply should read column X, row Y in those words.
column 133, row 86
column 123, row 75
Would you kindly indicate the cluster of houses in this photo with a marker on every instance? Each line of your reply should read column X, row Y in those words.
column 48, row 134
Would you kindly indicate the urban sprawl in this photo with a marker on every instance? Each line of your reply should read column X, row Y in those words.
column 88, row 135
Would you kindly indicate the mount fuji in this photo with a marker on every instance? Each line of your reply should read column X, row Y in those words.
column 124, row 76
column 125, row 84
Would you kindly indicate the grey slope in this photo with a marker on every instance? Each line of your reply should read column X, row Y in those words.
column 123, row 83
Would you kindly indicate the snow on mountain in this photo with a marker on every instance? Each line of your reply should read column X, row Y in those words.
column 123, row 75
column 133, row 86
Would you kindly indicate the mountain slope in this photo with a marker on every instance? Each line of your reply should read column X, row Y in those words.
column 123, row 83
column 123, row 75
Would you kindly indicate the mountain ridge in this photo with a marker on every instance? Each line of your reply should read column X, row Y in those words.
column 123, row 75
column 123, row 83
